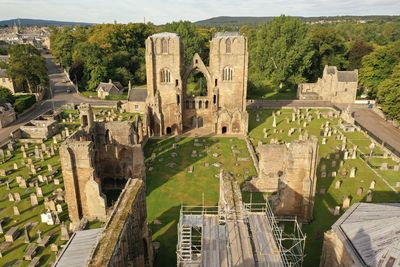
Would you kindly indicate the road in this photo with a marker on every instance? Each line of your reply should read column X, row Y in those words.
column 59, row 85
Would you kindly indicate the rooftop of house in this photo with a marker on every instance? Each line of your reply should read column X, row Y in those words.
column 370, row 232
column 137, row 95
column 343, row 76
column 106, row 87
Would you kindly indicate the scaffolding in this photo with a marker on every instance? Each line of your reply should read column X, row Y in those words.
column 237, row 234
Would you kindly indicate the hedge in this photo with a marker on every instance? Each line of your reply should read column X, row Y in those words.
column 23, row 102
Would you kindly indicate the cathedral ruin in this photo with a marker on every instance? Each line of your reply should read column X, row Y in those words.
column 289, row 171
column 96, row 163
column 220, row 108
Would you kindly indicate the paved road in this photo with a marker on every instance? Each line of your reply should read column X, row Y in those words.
column 59, row 85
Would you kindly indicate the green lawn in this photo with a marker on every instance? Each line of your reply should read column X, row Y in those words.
column 273, row 95
column 323, row 218
column 170, row 186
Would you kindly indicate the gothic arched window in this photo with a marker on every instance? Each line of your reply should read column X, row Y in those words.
column 227, row 74
column 228, row 46
column 164, row 46
column 165, row 76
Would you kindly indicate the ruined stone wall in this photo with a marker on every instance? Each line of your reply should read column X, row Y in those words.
column 82, row 192
column 221, row 110
column 330, row 88
column 290, row 171
column 7, row 117
column 334, row 253
column 126, row 238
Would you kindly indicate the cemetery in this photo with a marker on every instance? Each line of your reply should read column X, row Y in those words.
column 351, row 167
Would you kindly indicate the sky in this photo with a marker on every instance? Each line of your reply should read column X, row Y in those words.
column 162, row 11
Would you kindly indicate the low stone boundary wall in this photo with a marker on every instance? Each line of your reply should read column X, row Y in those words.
column 252, row 153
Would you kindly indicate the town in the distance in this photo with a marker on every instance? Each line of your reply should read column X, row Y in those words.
column 227, row 142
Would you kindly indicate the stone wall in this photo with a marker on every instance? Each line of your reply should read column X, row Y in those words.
column 335, row 86
column 221, row 110
column 126, row 239
column 334, row 253
column 100, row 157
column 289, row 170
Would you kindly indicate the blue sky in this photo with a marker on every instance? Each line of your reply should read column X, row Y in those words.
column 161, row 11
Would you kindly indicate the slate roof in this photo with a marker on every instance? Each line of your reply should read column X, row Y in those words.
column 79, row 248
column 137, row 95
column 107, row 87
column 370, row 231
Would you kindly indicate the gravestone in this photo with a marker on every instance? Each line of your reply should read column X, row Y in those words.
column 396, row 168
column 360, row 191
column 64, row 233
column 34, row 200
column 15, row 166
column 338, row 184
column 384, row 166
column 39, row 192
column 333, row 174
column 16, row 211
column 372, row 185
column 22, row 183
column 3, row 172
column 59, row 208
column 346, row 203
column 17, row 197
column 336, row 211
column 398, row 184
column 11, row 234
column 11, row 197
column 353, row 172
column 27, row 238
column 369, row 196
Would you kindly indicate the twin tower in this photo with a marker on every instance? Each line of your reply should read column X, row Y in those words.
column 220, row 110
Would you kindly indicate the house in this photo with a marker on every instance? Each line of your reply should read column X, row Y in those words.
column 7, row 115
column 335, row 86
column 6, row 82
column 365, row 235
column 136, row 100
column 110, row 88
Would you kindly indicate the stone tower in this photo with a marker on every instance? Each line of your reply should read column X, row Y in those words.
column 86, row 116
column 220, row 110
column 164, row 61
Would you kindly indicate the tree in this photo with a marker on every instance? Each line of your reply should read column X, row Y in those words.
column 28, row 68
column 6, row 96
column 329, row 47
column 357, row 51
column 281, row 54
column 378, row 66
column 389, row 94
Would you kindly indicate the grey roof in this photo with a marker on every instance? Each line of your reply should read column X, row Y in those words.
column 79, row 248
column 3, row 73
column 369, row 231
column 226, row 34
column 107, row 87
column 164, row 34
column 347, row 76
column 137, row 95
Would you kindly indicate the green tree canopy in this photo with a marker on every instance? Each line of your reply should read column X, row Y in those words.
column 27, row 68
column 389, row 94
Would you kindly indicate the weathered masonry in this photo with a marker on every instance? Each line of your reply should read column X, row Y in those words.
column 219, row 106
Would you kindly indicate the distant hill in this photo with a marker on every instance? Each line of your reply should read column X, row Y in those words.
column 40, row 22
column 238, row 21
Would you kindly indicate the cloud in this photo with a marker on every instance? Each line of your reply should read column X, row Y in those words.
column 161, row 11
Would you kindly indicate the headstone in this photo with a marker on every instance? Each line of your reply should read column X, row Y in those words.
column 16, row 211
column 384, row 166
column 11, row 197
column 372, row 185
column 56, row 181
column 39, row 192
column 64, row 232
column 3, row 172
column 338, row 184
column 15, row 166
column 37, row 154
column 22, row 183
column 27, row 238
column 352, row 172
column 360, row 191
column 333, row 174
column 324, row 141
column 34, row 200
column 396, row 168
column 54, row 248
column 59, row 208
column 346, row 203
column 17, row 197
column 398, row 184
column 369, row 196
column 336, row 211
